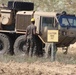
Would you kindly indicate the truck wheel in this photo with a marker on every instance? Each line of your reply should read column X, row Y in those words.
column 19, row 45
column 4, row 44
column 16, row 5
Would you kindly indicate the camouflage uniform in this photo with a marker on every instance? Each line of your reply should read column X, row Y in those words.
column 31, row 43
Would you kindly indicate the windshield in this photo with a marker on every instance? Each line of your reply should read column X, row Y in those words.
column 47, row 21
column 67, row 20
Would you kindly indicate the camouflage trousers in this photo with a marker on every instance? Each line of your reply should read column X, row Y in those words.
column 31, row 46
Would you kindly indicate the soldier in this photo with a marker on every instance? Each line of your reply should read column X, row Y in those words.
column 30, row 36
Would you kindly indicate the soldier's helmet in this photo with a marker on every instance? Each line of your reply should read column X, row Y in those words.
column 33, row 19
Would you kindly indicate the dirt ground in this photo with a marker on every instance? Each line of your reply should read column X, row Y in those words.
column 42, row 68
column 37, row 68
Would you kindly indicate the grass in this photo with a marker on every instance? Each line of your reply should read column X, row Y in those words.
column 7, row 58
column 70, row 58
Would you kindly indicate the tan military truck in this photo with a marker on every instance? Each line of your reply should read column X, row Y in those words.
column 16, row 17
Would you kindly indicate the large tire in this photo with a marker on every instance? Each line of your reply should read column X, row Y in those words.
column 4, row 44
column 20, row 5
column 19, row 45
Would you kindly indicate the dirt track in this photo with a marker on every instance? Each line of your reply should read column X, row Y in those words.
column 41, row 68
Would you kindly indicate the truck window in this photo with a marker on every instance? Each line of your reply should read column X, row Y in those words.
column 74, row 22
column 47, row 21
column 67, row 20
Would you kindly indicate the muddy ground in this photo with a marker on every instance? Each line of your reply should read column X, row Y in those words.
column 63, row 65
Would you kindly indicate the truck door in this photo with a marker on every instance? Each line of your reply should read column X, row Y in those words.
column 47, row 23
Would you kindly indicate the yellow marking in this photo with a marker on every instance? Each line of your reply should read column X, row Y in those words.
column 52, row 36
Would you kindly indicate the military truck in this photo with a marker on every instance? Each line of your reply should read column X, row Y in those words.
column 16, row 17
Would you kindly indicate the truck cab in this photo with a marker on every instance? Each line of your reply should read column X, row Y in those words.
column 67, row 29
